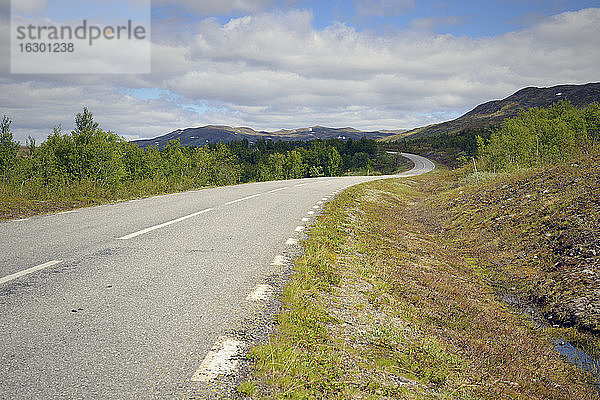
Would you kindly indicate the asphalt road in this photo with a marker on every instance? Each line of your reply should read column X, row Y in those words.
column 125, row 301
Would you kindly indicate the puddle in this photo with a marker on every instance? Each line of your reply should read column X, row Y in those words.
column 578, row 357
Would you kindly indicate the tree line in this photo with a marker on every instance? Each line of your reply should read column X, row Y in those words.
column 101, row 161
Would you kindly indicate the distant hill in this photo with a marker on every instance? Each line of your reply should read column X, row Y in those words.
column 218, row 133
column 494, row 112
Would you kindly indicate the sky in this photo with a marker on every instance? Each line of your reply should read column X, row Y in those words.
column 273, row 64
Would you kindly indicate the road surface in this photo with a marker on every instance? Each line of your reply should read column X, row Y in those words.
column 126, row 301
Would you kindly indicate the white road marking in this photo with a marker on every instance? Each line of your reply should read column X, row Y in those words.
column 150, row 229
column 299, row 229
column 28, row 271
column 291, row 241
column 324, row 199
column 279, row 260
column 305, row 219
column 300, row 184
column 261, row 292
column 315, row 207
column 310, row 212
column 220, row 360
column 319, row 202
column 19, row 220
column 68, row 212
column 243, row 198
column 277, row 190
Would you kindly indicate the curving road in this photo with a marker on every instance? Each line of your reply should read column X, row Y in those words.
column 126, row 301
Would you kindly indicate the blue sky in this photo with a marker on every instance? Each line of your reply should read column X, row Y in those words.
column 271, row 64
column 472, row 18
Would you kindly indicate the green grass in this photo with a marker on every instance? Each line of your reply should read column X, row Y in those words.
column 393, row 299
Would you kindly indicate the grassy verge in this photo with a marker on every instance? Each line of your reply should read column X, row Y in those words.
column 35, row 200
column 398, row 296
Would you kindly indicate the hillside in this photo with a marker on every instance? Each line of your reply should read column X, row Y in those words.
column 496, row 111
column 436, row 284
column 225, row 134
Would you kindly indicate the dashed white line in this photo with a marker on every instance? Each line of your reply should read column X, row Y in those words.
column 222, row 359
column 310, row 212
column 28, row 271
column 279, row 260
column 324, row 199
column 299, row 229
column 242, row 199
column 277, row 190
column 319, row 202
column 260, row 292
column 150, row 229
column 291, row 241
column 315, row 207
column 305, row 219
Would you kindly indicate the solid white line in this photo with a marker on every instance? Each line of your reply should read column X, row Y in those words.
column 261, row 292
column 300, row 184
column 220, row 360
column 242, row 199
column 19, row 220
column 68, row 212
column 29, row 271
column 299, row 229
column 277, row 190
column 291, row 241
column 150, row 229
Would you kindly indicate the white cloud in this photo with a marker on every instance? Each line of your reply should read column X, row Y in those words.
column 270, row 71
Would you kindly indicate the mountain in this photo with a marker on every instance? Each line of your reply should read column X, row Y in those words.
column 494, row 112
column 218, row 133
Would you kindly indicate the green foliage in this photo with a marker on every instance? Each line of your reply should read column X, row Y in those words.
column 8, row 147
column 103, row 166
column 541, row 136
column 447, row 148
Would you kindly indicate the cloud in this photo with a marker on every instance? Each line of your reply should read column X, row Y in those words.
column 36, row 107
column 275, row 70
column 381, row 8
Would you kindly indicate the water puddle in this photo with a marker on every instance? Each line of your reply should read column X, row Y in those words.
column 579, row 358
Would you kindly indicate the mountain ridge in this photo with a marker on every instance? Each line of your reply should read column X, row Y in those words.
column 495, row 111
column 213, row 133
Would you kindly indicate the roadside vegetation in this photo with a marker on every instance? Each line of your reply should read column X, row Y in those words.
column 402, row 293
column 453, row 285
column 89, row 166
column 535, row 137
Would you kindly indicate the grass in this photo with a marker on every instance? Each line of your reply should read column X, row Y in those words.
column 34, row 200
column 400, row 294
